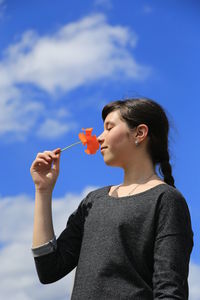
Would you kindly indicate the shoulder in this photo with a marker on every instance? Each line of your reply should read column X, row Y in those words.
column 96, row 193
column 87, row 202
column 172, row 197
column 93, row 195
column 173, row 212
column 172, row 202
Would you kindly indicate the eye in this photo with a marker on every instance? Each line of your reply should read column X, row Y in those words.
column 109, row 128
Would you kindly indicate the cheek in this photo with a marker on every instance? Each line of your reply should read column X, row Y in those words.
column 117, row 139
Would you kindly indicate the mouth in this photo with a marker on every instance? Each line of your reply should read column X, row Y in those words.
column 103, row 148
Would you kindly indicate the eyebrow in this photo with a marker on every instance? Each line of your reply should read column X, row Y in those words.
column 109, row 122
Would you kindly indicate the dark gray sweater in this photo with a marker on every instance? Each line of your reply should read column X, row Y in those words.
column 134, row 247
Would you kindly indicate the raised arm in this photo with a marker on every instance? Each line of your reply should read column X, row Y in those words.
column 44, row 171
column 53, row 258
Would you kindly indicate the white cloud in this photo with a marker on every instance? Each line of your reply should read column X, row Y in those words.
column 17, row 273
column 194, row 287
column 52, row 128
column 78, row 54
column 16, row 115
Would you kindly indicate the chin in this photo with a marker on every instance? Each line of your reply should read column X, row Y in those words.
column 112, row 163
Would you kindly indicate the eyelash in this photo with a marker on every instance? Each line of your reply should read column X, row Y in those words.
column 109, row 128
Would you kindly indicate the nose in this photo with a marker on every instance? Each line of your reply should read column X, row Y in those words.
column 100, row 138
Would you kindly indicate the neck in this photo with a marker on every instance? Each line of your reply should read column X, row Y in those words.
column 138, row 172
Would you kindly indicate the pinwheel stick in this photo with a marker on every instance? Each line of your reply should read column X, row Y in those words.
column 70, row 146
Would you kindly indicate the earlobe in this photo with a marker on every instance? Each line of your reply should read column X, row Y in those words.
column 142, row 131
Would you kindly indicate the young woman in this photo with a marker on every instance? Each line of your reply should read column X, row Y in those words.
column 130, row 241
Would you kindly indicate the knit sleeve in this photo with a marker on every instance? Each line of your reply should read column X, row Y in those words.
column 55, row 265
column 173, row 246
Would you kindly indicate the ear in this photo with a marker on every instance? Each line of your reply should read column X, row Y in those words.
column 141, row 132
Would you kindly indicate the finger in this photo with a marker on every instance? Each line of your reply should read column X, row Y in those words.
column 39, row 162
column 42, row 161
column 53, row 154
column 47, row 155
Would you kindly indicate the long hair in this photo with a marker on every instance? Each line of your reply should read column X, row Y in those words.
column 136, row 111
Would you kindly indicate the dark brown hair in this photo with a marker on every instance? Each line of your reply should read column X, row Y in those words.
column 136, row 111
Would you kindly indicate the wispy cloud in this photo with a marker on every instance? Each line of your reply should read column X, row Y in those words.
column 52, row 128
column 78, row 54
column 17, row 115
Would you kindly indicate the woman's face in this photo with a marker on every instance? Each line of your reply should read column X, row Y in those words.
column 117, row 140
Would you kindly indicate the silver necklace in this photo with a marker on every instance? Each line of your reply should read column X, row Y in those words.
column 135, row 186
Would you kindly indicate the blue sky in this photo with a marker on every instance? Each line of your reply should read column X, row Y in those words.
column 60, row 63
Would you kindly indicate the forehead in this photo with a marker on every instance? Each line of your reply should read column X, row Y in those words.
column 113, row 117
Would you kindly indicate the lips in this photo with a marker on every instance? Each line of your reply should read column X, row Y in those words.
column 103, row 148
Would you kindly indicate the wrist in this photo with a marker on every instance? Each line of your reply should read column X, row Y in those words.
column 43, row 191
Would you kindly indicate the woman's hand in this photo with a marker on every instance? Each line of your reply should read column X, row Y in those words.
column 45, row 170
